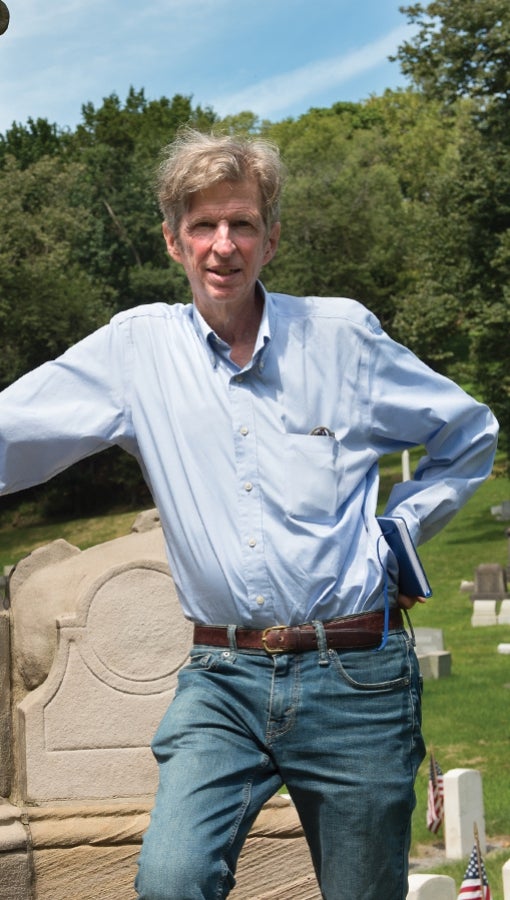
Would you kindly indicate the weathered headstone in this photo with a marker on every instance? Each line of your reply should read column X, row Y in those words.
column 463, row 809
column 98, row 638
column 428, row 640
column 504, row 613
column 435, row 661
column 501, row 512
column 431, row 887
column 484, row 613
column 490, row 586
column 490, row 582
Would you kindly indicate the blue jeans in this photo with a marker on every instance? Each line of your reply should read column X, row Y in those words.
column 341, row 729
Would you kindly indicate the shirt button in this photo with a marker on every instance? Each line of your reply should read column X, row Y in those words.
column 252, row 542
column 243, row 430
column 260, row 600
column 248, row 486
column 239, row 378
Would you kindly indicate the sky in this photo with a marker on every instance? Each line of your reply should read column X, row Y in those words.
column 276, row 58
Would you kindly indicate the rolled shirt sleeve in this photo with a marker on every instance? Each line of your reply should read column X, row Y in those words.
column 458, row 433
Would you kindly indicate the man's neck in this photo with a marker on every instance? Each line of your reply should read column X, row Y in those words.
column 238, row 327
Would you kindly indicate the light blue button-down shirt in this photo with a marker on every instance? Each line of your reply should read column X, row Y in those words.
column 264, row 523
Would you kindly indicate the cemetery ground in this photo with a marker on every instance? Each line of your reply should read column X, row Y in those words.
column 466, row 719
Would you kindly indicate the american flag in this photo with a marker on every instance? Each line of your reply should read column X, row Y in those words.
column 475, row 885
column 435, row 809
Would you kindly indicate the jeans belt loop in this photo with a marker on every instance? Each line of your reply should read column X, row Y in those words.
column 231, row 633
column 322, row 643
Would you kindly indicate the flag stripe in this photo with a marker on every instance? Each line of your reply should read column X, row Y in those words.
column 435, row 805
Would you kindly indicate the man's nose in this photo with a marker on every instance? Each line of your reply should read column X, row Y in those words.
column 223, row 243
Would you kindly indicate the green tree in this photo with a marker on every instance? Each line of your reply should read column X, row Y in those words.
column 47, row 299
column 29, row 143
column 422, row 147
column 461, row 57
column 461, row 49
column 342, row 209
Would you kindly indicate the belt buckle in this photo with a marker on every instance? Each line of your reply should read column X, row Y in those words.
column 266, row 631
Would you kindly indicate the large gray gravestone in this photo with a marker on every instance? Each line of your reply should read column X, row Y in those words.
column 90, row 651
column 490, row 582
column 98, row 639
column 490, row 586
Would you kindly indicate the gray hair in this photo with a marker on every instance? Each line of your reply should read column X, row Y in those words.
column 195, row 161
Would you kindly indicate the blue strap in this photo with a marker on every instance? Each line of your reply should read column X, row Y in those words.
column 386, row 594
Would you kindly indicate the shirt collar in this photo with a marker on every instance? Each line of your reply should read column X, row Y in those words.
column 217, row 347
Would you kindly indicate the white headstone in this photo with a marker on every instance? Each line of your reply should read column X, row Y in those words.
column 506, row 880
column 431, row 887
column 428, row 640
column 463, row 809
column 435, row 661
column 484, row 613
column 504, row 613
column 436, row 665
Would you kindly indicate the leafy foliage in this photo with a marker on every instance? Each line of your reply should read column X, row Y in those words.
column 461, row 58
column 462, row 49
column 341, row 212
column 47, row 298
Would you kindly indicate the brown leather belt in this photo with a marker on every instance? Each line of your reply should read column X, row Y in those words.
column 360, row 631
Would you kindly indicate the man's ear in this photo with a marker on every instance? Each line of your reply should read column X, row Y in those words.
column 172, row 243
column 272, row 243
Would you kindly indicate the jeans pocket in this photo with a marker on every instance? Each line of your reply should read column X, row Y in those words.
column 388, row 670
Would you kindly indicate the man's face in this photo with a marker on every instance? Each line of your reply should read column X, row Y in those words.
column 222, row 244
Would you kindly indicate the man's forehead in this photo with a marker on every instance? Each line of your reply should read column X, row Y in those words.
column 227, row 196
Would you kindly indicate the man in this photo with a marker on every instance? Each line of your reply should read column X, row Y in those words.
column 259, row 420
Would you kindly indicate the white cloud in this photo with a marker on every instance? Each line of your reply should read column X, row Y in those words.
column 271, row 95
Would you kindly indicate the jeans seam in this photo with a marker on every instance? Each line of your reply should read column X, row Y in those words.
column 225, row 869
column 273, row 733
column 416, row 732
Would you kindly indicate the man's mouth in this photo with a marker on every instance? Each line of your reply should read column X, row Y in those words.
column 223, row 271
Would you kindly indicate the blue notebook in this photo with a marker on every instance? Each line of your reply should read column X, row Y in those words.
column 412, row 579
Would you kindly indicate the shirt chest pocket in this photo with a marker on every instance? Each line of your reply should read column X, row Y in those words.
column 311, row 476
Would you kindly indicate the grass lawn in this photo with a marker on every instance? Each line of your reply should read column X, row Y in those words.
column 22, row 531
column 466, row 718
